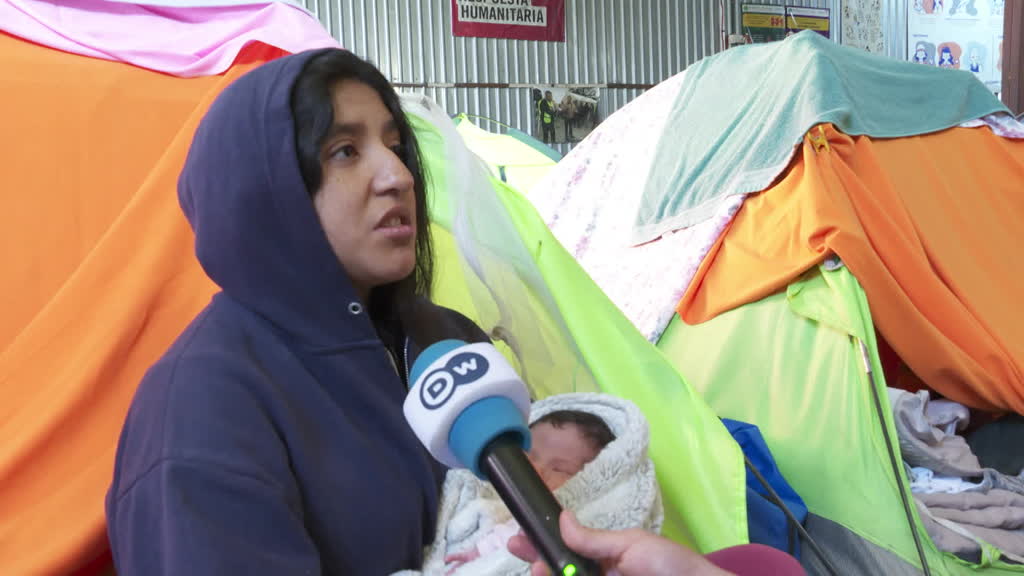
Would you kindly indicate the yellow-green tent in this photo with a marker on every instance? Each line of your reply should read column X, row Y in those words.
column 513, row 156
column 498, row 263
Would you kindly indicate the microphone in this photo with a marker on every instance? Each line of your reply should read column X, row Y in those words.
column 468, row 406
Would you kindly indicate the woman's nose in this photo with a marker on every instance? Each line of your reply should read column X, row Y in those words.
column 392, row 175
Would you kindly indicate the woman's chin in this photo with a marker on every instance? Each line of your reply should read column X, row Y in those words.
column 398, row 271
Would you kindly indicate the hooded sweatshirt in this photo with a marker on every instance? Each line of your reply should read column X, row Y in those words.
column 270, row 439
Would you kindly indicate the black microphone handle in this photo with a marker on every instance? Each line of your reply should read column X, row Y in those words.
column 532, row 505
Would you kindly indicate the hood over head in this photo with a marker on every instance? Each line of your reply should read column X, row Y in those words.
column 257, row 234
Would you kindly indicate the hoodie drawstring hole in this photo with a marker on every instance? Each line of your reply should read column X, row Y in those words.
column 355, row 308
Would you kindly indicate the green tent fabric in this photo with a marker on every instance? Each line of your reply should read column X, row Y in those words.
column 499, row 264
column 513, row 157
column 795, row 364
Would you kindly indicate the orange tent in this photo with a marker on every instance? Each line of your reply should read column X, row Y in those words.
column 101, row 279
column 917, row 220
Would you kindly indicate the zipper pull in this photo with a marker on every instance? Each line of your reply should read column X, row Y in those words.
column 405, row 363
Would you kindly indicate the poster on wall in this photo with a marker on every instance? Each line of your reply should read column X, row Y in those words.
column 763, row 22
column 513, row 19
column 563, row 114
column 800, row 19
column 958, row 34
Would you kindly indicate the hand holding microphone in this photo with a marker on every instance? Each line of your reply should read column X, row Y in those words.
column 470, row 409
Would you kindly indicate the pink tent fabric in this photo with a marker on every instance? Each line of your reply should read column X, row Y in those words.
column 181, row 41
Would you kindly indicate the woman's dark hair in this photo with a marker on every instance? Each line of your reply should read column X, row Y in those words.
column 313, row 113
column 594, row 429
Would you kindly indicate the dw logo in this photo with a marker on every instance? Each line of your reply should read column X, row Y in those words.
column 439, row 386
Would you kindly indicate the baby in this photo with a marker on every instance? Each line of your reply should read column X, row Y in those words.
column 562, row 443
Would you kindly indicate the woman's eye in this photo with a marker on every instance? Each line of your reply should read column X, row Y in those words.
column 346, row 151
column 399, row 150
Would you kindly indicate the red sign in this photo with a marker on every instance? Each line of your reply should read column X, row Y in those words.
column 516, row 19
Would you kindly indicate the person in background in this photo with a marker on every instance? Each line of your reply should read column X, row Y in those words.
column 567, row 109
column 546, row 111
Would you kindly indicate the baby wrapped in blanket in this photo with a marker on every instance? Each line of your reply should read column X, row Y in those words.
column 590, row 450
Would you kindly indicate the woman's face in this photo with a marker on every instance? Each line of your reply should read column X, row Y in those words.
column 366, row 202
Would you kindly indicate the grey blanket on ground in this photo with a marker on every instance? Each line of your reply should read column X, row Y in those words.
column 991, row 513
column 928, row 446
column 956, row 522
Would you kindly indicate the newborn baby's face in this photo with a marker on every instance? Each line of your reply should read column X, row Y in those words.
column 558, row 453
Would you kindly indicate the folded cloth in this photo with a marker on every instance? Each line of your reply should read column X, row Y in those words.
column 961, row 523
column 924, row 481
column 973, row 512
column 950, row 417
column 926, row 445
column 617, row 490
column 947, row 456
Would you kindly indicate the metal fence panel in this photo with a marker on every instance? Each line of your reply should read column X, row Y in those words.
column 621, row 46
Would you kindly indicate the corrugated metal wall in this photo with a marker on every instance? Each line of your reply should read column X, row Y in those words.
column 621, row 46
column 894, row 28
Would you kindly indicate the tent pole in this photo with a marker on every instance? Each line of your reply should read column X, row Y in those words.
column 892, row 455
column 775, row 499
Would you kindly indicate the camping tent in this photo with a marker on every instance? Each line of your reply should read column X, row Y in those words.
column 514, row 157
column 774, row 304
column 103, row 275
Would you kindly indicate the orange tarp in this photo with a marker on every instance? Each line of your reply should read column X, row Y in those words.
column 99, row 279
column 931, row 226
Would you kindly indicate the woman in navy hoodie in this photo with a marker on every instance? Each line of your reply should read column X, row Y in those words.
column 269, row 439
